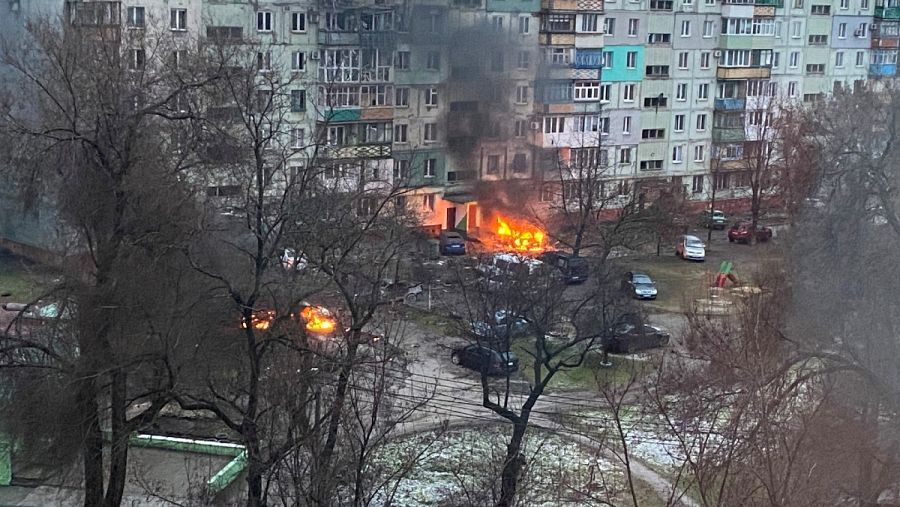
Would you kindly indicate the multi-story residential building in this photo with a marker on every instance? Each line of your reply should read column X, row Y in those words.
column 464, row 100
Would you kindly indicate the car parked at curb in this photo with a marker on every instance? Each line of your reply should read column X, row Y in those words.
column 631, row 337
column 452, row 243
column 743, row 232
column 713, row 219
column 640, row 285
column 485, row 359
column 691, row 248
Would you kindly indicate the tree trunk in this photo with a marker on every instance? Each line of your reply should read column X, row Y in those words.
column 254, row 466
column 92, row 446
column 512, row 467
column 118, row 454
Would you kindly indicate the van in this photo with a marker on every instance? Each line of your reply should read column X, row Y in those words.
column 504, row 266
column 574, row 269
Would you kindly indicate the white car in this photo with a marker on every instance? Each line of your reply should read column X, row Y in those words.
column 503, row 266
column 691, row 248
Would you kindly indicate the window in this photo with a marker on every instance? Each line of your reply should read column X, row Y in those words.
column 298, row 61
column 297, row 137
column 401, row 169
column 606, row 59
column 778, row 29
column 681, row 91
column 683, row 60
column 605, row 92
column 497, row 23
column 657, row 71
column 704, row 60
column 430, row 166
column 401, row 97
column 703, row 91
column 624, row 155
column 609, row 26
column 860, row 58
column 433, row 61
column 698, row 153
column 135, row 17
column 264, row 61
column 628, row 93
column 431, row 97
column 590, row 22
column 401, row 62
column 796, row 29
column 400, row 133
column 755, row 118
column 794, row 60
column 263, row 21
column 697, row 184
column 428, row 201
column 657, row 102
column 587, row 90
column 631, row 59
column 521, row 127
column 708, row 27
column 178, row 57
column 554, row 124
column 524, row 60
column 679, row 123
column 685, row 28
column 521, row 94
column 298, row 101
column 524, row 22
column 178, row 19
column 559, row 23
column 818, row 40
column 660, row 5
column 862, row 30
column 651, row 165
column 824, row 10
column 659, row 38
column 633, row 27
column 589, row 124
column 298, row 21
column 815, row 68
column 842, row 30
column 626, row 125
column 493, row 164
column 776, row 60
column 839, row 59
column 792, row 89
column 701, row 122
column 798, row 4
column 136, row 59
column 677, row 154
column 519, row 163
column 864, row 4
column 653, row 134
column 429, row 135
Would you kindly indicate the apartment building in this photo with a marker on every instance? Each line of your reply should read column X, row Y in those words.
column 471, row 100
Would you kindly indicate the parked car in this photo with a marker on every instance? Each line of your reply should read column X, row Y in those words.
column 639, row 285
column 574, row 269
column 485, row 360
column 742, row 232
column 690, row 247
column 505, row 266
column 452, row 243
column 290, row 259
column 713, row 219
column 635, row 336
column 502, row 325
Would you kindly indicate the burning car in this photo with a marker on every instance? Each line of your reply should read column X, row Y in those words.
column 519, row 236
column 317, row 319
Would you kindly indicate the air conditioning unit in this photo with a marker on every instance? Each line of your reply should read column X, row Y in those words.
column 872, row 26
column 717, row 54
column 535, row 125
column 314, row 55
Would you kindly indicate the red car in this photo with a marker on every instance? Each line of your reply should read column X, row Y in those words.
column 743, row 231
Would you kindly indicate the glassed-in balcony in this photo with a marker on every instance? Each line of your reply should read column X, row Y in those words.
column 882, row 69
column 730, row 104
column 770, row 3
column 727, row 134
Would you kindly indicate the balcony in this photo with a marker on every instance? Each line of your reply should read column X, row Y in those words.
column 770, row 3
column 589, row 59
column 357, row 151
column 338, row 38
column 882, row 69
column 887, row 12
column 730, row 104
column 727, row 135
column 743, row 72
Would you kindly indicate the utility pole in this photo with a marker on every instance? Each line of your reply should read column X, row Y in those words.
column 714, row 166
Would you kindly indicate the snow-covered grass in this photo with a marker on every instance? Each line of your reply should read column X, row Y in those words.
column 461, row 467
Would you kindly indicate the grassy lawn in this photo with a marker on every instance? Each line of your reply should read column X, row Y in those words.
column 590, row 375
column 676, row 279
column 21, row 279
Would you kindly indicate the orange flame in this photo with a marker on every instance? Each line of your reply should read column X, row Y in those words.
column 318, row 319
column 260, row 320
column 520, row 238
